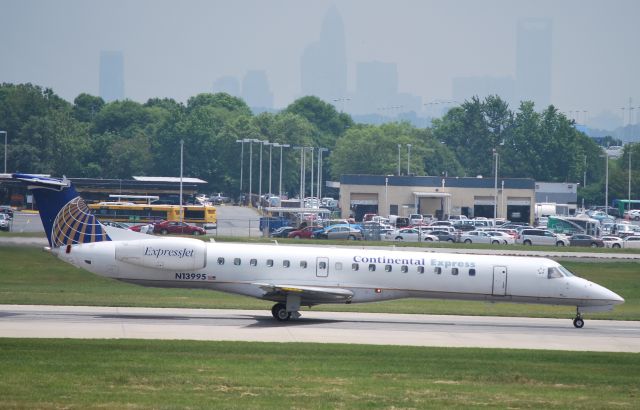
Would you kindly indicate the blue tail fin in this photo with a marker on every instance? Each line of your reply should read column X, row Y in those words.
column 65, row 216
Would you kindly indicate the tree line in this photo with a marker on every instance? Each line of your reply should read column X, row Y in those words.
column 91, row 138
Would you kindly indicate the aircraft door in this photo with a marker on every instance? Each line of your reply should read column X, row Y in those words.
column 499, row 281
column 322, row 267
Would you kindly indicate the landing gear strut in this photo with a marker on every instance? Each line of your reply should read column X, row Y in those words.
column 578, row 322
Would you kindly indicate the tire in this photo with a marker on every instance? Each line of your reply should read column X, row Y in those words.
column 399, row 238
column 594, row 245
column 296, row 237
column 163, row 232
column 636, row 218
column 616, row 245
column 559, row 243
column 527, row 243
column 450, row 240
column 352, row 238
column 196, row 233
column 578, row 323
column 467, row 241
column 279, row 312
column 496, row 242
column 428, row 239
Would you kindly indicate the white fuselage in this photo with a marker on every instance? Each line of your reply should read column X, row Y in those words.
column 371, row 275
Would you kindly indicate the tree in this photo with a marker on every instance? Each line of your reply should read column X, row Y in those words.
column 86, row 107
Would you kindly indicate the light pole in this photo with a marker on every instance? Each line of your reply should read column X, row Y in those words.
column 629, row 187
column 320, row 170
column 606, row 183
column 311, row 190
column 5, row 150
column 181, row 162
column 584, row 177
column 262, row 143
column 495, row 207
column 301, row 194
column 241, row 161
column 251, row 141
column 398, row 159
column 408, row 159
column 280, row 185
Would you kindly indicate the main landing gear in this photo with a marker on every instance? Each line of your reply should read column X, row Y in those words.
column 578, row 322
column 281, row 314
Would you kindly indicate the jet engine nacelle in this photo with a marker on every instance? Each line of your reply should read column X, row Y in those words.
column 173, row 254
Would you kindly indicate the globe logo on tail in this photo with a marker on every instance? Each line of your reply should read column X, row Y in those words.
column 76, row 224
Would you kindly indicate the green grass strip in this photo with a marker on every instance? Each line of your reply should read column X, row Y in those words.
column 144, row 374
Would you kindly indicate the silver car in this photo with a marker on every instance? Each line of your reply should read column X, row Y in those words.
column 534, row 236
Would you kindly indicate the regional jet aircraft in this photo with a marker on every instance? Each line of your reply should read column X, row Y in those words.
column 301, row 276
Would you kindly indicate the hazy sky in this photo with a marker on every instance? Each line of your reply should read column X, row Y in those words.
column 179, row 48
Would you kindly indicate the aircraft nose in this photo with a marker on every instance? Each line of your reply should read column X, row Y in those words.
column 605, row 294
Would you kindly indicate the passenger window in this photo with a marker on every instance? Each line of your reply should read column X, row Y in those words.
column 322, row 265
column 420, row 269
column 338, row 265
column 270, row 262
column 472, row 272
column 220, row 261
column 387, row 268
column 303, row 264
column 437, row 270
column 355, row 266
column 454, row 271
column 372, row 267
column 404, row 269
column 236, row 261
column 286, row 263
column 253, row 262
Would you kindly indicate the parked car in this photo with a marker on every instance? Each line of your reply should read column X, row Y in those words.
column 612, row 242
column 5, row 222
column 632, row 242
column 481, row 237
column 339, row 232
column 7, row 210
column 633, row 214
column 305, row 233
column 177, row 227
column 444, row 236
column 508, row 238
column 532, row 236
column 410, row 235
column 282, row 232
column 586, row 240
column 142, row 228
column 415, row 219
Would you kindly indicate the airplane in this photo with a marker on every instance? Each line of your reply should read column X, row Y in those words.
column 301, row 276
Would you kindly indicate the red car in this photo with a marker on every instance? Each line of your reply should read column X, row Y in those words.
column 305, row 233
column 182, row 228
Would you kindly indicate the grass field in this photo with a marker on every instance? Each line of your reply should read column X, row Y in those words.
column 31, row 276
column 189, row 374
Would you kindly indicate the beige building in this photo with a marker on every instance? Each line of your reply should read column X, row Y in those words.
column 404, row 195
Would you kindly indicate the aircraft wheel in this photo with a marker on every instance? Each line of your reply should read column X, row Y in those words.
column 279, row 312
column 578, row 322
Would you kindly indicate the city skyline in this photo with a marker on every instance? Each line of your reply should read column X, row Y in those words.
column 178, row 52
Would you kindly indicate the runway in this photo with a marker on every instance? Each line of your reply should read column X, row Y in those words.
column 319, row 327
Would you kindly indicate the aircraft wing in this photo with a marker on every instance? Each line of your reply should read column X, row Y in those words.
column 308, row 294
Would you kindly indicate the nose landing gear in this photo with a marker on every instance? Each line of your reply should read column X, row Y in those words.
column 578, row 322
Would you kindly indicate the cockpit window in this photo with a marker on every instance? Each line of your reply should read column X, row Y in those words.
column 553, row 273
column 565, row 271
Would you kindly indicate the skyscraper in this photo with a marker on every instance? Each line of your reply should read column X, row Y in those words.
column 324, row 63
column 255, row 90
column 111, row 75
column 533, row 61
